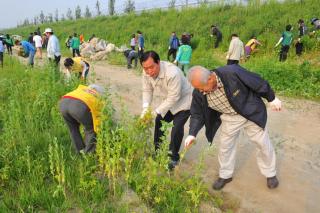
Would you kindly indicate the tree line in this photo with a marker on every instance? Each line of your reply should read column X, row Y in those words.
column 77, row 13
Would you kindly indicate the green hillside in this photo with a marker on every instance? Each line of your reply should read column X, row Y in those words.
column 266, row 21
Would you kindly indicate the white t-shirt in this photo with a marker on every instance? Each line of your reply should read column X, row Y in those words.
column 38, row 41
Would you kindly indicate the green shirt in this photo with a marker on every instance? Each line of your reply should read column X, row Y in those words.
column 9, row 41
column 75, row 44
column 287, row 38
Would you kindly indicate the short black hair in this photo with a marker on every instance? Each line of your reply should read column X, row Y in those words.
column 139, row 32
column 75, row 34
column 288, row 27
column 234, row 35
column 68, row 62
column 35, row 33
column 151, row 53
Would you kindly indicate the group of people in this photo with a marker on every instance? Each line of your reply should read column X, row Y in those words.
column 229, row 97
column 73, row 43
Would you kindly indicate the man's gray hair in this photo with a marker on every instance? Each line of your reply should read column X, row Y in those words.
column 97, row 88
column 203, row 72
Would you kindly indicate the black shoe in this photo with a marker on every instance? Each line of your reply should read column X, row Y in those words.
column 219, row 184
column 272, row 182
column 172, row 164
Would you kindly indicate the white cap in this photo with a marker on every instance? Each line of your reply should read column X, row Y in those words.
column 97, row 88
column 48, row 30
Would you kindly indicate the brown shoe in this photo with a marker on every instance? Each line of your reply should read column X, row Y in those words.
column 219, row 184
column 272, row 182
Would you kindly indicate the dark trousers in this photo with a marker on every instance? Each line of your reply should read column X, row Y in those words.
column 75, row 51
column 86, row 72
column 172, row 52
column 216, row 43
column 75, row 112
column 1, row 59
column 229, row 62
column 9, row 47
column 299, row 48
column 140, row 52
column 284, row 52
column 130, row 59
column 177, row 132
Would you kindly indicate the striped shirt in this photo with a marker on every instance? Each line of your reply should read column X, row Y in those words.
column 218, row 100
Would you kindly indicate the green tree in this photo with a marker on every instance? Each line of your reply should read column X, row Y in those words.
column 69, row 14
column 77, row 12
column 111, row 7
column 98, row 8
column 87, row 13
column 129, row 6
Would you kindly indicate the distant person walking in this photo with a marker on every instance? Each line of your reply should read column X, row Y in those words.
column 285, row 40
column 53, row 48
column 184, row 55
column 38, row 44
column 251, row 46
column 30, row 39
column 173, row 46
column 140, row 43
column 316, row 23
column 75, row 45
column 29, row 50
column 302, row 28
column 133, row 42
column 1, row 50
column 217, row 33
column 236, row 50
column 9, row 43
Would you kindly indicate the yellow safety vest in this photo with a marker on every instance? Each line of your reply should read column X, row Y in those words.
column 77, row 67
column 91, row 98
column 252, row 44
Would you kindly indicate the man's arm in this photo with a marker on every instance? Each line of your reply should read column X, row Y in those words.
column 147, row 91
column 197, row 116
column 174, row 93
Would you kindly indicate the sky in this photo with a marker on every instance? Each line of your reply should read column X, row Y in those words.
column 19, row 10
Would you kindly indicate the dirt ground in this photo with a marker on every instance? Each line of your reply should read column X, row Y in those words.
column 295, row 133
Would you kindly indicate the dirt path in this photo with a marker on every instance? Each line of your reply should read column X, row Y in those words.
column 295, row 132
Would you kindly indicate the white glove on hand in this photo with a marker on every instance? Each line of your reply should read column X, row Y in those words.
column 169, row 48
column 227, row 57
column 175, row 61
column 144, row 112
column 189, row 140
column 139, row 48
column 275, row 104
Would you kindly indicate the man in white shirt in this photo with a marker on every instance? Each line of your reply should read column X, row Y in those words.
column 167, row 80
column 236, row 50
column 37, row 40
column 53, row 47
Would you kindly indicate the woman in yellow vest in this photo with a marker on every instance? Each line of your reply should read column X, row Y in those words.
column 251, row 46
column 78, row 65
column 82, row 107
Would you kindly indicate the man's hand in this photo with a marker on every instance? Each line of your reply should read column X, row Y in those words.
column 169, row 48
column 175, row 61
column 227, row 57
column 275, row 104
column 189, row 140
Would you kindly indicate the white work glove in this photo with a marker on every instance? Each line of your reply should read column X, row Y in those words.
column 175, row 61
column 139, row 48
column 227, row 57
column 275, row 104
column 169, row 48
column 211, row 35
column 189, row 140
column 144, row 112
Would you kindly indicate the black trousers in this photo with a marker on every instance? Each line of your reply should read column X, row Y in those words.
column 284, row 52
column 1, row 59
column 172, row 52
column 75, row 112
column 177, row 132
column 9, row 47
column 140, row 52
column 75, row 51
column 218, row 40
column 229, row 62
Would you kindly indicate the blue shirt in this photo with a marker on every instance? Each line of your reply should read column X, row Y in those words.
column 141, row 41
column 27, row 47
column 1, row 47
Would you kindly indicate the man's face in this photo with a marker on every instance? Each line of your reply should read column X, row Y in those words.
column 206, row 88
column 151, row 68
